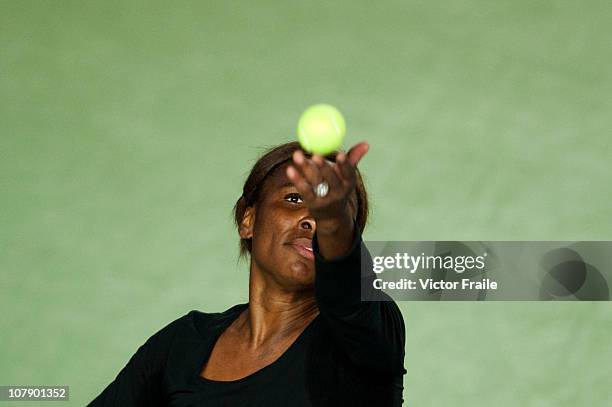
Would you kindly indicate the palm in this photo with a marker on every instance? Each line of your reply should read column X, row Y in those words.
column 307, row 173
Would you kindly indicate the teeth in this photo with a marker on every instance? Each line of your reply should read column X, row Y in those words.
column 309, row 249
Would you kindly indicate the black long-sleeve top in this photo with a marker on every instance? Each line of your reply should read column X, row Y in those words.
column 351, row 354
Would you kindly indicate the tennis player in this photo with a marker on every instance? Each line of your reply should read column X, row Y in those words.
column 304, row 338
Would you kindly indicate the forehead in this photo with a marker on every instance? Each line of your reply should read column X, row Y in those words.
column 277, row 180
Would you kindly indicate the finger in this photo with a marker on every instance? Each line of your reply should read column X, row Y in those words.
column 357, row 152
column 340, row 161
column 341, row 177
column 319, row 160
column 329, row 175
column 307, row 168
column 330, row 172
column 347, row 162
column 346, row 169
column 303, row 187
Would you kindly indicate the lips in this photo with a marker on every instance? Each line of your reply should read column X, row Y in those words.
column 304, row 247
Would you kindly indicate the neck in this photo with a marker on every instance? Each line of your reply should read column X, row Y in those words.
column 275, row 312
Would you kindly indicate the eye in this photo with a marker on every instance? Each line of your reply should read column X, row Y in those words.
column 292, row 196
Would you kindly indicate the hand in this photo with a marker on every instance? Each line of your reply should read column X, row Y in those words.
column 306, row 173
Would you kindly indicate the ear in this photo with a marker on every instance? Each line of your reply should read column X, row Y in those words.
column 246, row 225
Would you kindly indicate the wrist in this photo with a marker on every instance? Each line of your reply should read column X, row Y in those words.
column 331, row 226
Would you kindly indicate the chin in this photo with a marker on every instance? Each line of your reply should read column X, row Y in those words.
column 303, row 273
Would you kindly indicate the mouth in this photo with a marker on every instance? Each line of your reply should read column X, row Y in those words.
column 304, row 251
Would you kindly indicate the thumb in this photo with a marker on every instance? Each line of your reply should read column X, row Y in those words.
column 356, row 153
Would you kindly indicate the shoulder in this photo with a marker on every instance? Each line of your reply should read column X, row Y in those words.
column 191, row 327
column 199, row 321
column 163, row 337
column 203, row 322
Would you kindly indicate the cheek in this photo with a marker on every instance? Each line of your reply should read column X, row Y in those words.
column 266, row 235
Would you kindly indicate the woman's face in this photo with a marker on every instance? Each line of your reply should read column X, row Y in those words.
column 281, row 229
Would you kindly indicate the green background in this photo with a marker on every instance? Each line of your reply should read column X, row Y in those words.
column 127, row 129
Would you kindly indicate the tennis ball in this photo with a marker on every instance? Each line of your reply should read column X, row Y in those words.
column 321, row 129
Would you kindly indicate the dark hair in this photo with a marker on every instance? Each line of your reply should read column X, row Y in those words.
column 270, row 160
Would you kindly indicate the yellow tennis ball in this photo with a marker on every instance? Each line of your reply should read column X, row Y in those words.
column 321, row 129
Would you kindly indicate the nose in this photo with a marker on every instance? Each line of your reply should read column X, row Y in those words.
column 308, row 223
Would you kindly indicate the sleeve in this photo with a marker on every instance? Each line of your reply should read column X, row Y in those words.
column 139, row 382
column 370, row 333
